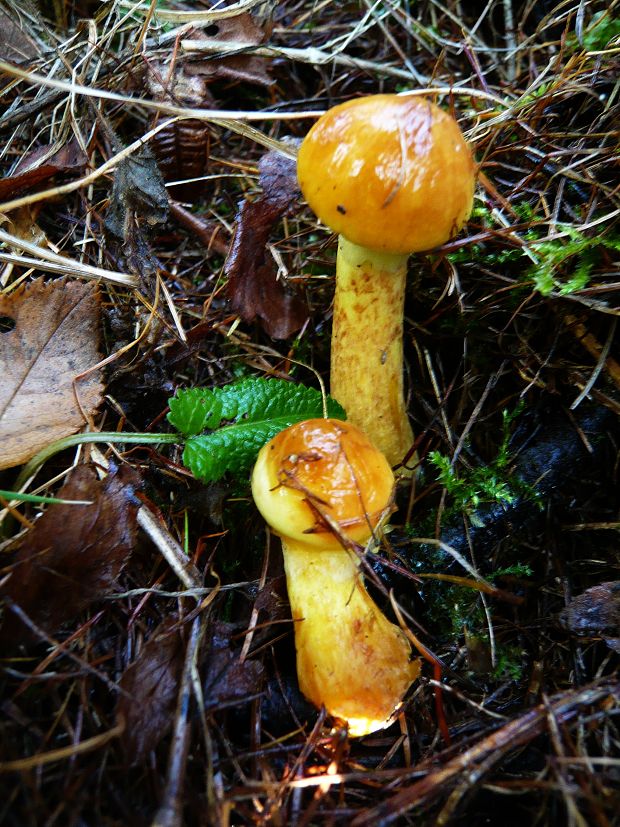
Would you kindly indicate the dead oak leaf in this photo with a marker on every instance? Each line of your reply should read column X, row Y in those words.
column 52, row 337
column 74, row 553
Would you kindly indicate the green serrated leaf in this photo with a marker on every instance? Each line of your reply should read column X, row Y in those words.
column 194, row 410
column 254, row 410
column 232, row 449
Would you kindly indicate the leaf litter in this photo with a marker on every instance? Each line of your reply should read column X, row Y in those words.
column 149, row 688
column 254, row 287
column 46, row 358
column 215, row 729
column 74, row 554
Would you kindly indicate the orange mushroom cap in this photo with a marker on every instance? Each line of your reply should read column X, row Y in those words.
column 322, row 466
column 390, row 173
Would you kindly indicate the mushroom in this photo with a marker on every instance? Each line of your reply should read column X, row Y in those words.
column 325, row 490
column 392, row 175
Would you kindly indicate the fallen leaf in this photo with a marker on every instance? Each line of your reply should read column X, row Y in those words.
column 50, row 336
column 149, row 692
column 242, row 28
column 228, row 679
column 23, row 224
column 74, row 553
column 41, row 165
column 16, row 44
column 595, row 613
column 253, row 287
column 138, row 192
column 277, row 176
column 182, row 149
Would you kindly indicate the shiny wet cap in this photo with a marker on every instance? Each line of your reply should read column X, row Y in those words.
column 322, row 467
column 388, row 172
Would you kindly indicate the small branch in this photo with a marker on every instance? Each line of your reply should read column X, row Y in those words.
column 171, row 551
column 467, row 769
column 170, row 813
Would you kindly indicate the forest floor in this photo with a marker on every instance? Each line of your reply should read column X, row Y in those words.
column 153, row 239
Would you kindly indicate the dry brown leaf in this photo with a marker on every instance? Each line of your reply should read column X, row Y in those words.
column 595, row 613
column 248, row 68
column 149, row 692
column 54, row 339
column 16, row 44
column 228, row 679
column 182, row 149
column 74, row 553
column 253, row 286
column 23, row 224
column 39, row 166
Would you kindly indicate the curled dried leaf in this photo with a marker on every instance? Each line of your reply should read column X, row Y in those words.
column 253, row 287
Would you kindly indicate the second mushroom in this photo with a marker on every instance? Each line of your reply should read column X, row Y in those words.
column 325, row 490
column 392, row 175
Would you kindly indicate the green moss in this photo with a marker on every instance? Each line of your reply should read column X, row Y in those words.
column 564, row 264
column 469, row 489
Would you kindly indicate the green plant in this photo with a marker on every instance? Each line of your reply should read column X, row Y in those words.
column 516, row 570
column 563, row 264
column 483, row 484
column 222, row 429
column 602, row 30
column 575, row 256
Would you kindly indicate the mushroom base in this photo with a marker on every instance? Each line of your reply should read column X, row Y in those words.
column 350, row 658
column 367, row 346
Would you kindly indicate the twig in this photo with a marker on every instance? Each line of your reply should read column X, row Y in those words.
column 170, row 813
column 172, row 552
column 468, row 768
column 63, row 264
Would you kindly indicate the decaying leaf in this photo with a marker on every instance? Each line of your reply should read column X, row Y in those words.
column 595, row 613
column 39, row 166
column 22, row 223
column 50, row 337
column 243, row 29
column 182, row 149
column 149, row 692
column 228, row 679
column 74, row 553
column 16, row 42
column 138, row 192
column 253, row 287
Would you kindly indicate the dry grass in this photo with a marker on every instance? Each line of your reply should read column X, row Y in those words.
column 518, row 314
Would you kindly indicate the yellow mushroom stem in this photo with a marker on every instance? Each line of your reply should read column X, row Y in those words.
column 325, row 489
column 393, row 174
column 367, row 346
column 350, row 658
